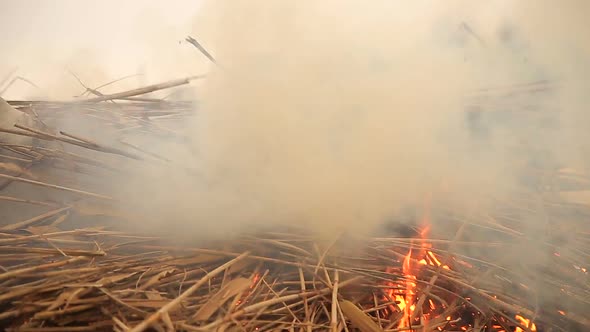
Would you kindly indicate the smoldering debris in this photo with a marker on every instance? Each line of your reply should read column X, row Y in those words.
column 430, row 271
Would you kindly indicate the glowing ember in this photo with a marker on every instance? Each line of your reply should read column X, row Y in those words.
column 255, row 280
column 525, row 322
column 432, row 260
column 244, row 298
column 432, row 305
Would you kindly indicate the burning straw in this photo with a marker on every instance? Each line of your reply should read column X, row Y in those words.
column 59, row 276
column 91, row 279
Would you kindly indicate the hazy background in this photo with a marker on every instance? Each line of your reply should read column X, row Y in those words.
column 98, row 40
column 333, row 113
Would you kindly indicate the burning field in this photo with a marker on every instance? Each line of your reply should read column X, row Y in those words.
column 334, row 166
column 72, row 266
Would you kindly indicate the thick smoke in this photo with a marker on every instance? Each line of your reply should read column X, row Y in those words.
column 339, row 114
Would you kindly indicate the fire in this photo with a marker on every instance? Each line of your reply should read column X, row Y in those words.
column 244, row 299
column 407, row 301
column 432, row 305
column 525, row 322
column 407, row 297
column 432, row 260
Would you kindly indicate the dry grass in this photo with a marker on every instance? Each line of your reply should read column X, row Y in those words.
column 59, row 276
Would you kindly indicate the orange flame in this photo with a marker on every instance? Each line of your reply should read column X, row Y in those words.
column 412, row 261
column 406, row 302
column 525, row 322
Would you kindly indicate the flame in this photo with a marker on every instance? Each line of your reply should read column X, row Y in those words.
column 407, row 302
column 405, row 293
column 432, row 259
column 525, row 322
column 432, row 305
column 408, row 307
column 416, row 257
